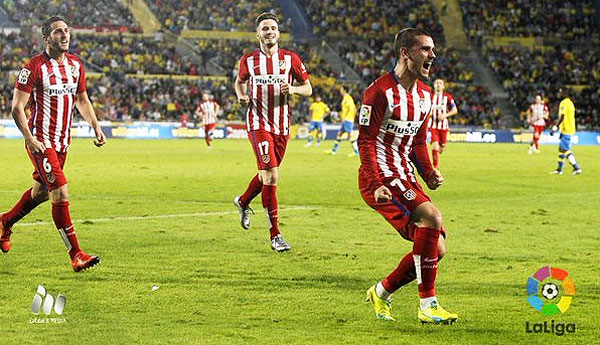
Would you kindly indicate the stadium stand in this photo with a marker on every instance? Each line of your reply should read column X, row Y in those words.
column 226, row 15
column 374, row 18
column 133, row 54
column 537, row 47
column 80, row 13
column 556, row 19
column 121, row 98
column 526, row 72
column 360, row 36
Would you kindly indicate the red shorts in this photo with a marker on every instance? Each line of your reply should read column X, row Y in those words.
column 439, row 135
column 209, row 127
column 538, row 129
column 406, row 197
column 49, row 168
column 269, row 148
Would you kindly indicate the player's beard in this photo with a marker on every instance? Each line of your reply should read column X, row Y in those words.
column 57, row 46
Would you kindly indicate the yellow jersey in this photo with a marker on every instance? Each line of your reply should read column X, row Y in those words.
column 318, row 111
column 567, row 109
column 348, row 109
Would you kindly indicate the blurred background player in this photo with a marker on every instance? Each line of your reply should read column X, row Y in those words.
column 55, row 80
column 347, row 116
column 318, row 110
column 269, row 73
column 442, row 108
column 393, row 134
column 566, row 126
column 537, row 114
column 207, row 111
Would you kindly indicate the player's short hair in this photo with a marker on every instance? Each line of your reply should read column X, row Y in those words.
column 48, row 22
column 265, row 16
column 407, row 38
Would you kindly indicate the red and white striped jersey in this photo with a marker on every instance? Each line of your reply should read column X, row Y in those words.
column 393, row 122
column 537, row 113
column 441, row 105
column 268, row 109
column 53, row 86
column 209, row 109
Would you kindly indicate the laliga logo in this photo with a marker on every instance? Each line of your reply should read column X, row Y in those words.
column 46, row 303
column 544, row 283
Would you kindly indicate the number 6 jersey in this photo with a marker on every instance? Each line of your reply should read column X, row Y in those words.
column 53, row 87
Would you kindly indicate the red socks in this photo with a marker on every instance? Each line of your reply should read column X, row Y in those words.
column 254, row 188
column 426, row 260
column 536, row 143
column 402, row 275
column 436, row 158
column 269, row 201
column 25, row 205
column 62, row 220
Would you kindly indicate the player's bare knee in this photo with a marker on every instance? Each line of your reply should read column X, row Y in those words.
column 60, row 194
column 434, row 219
column 270, row 177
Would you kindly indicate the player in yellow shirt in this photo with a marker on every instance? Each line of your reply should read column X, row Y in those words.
column 566, row 125
column 347, row 115
column 318, row 109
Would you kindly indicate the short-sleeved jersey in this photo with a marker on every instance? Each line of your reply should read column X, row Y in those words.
column 392, row 122
column 209, row 109
column 53, row 87
column 348, row 108
column 318, row 111
column 268, row 109
column 441, row 105
column 538, row 113
column 567, row 109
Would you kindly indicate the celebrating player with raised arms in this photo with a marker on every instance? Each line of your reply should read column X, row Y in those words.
column 392, row 137
column 55, row 80
column 265, row 83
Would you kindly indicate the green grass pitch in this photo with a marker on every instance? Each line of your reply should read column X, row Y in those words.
column 159, row 213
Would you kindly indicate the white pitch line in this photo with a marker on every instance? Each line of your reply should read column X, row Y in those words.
column 161, row 216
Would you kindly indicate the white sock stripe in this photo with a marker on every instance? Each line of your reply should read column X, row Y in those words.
column 417, row 259
column 65, row 239
column 269, row 224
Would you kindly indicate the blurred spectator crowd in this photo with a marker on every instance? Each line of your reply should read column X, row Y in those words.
column 133, row 54
column 79, row 13
column 526, row 72
column 226, row 15
column 554, row 19
column 371, row 18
